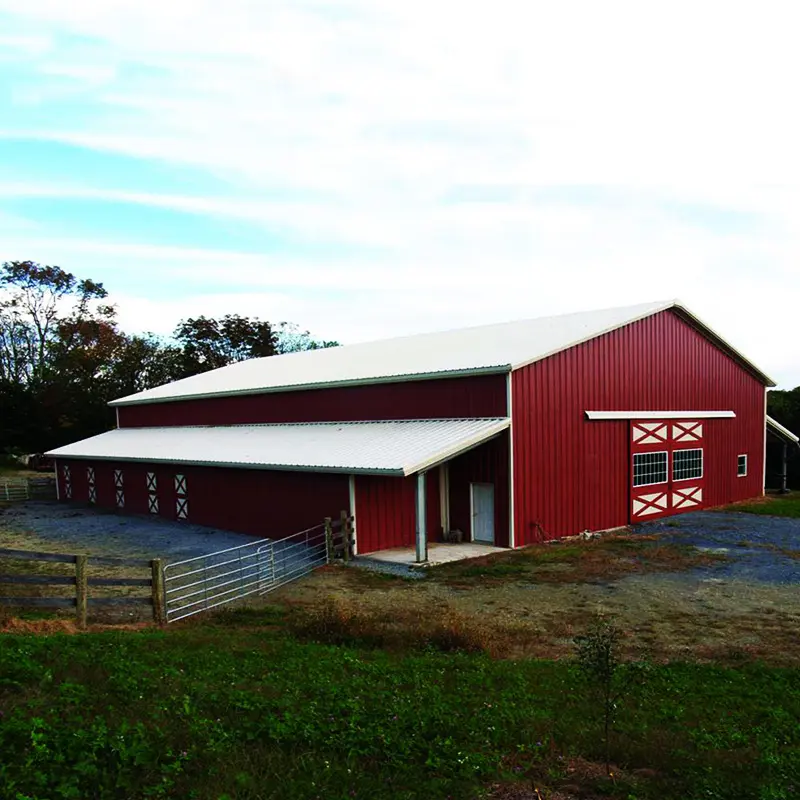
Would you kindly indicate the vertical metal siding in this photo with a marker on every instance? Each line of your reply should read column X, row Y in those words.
column 573, row 475
column 255, row 502
column 386, row 512
column 480, row 396
column 485, row 464
column 433, row 506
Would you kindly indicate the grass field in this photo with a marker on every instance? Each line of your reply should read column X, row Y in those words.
column 775, row 505
column 253, row 707
column 461, row 685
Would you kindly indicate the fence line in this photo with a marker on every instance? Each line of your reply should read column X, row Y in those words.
column 82, row 600
column 215, row 579
column 14, row 490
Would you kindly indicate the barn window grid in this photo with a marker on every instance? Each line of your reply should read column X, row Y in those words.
column 67, row 482
column 152, row 489
column 741, row 466
column 687, row 464
column 650, row 469
column 90, row 479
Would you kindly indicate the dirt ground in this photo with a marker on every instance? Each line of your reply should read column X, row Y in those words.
column 662, row 616
column 712, row 587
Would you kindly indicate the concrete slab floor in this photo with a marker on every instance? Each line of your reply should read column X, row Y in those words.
column 438, row 553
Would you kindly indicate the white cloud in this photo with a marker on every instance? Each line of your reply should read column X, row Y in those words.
column 368, row 114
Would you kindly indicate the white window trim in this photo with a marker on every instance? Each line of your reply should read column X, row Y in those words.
column 702, row 464
column 746, row 465
column 655, row 483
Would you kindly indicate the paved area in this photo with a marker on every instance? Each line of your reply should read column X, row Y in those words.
column 61, row 528
column 758, row 548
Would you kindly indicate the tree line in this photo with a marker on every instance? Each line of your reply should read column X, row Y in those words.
column 784, row 406
column 63, row 355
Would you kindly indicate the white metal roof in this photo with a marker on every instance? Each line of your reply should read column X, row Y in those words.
column 487, row 348
column 783, row 432
column 395, row 448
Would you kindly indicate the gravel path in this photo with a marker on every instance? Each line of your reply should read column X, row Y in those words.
column 61, row 528
column 758, row 548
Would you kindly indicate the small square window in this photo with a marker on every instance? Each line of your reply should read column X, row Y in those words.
column 741, row 469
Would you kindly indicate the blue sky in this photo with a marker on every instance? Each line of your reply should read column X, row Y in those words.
column 343, row 165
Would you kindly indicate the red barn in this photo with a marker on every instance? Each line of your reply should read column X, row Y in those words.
column 512, row 433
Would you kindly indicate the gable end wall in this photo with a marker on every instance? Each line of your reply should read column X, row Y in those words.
column 572, row 474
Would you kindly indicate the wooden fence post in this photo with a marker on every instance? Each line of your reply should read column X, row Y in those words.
column 329, row 540
column 81, row 590
column 345, row 536
column 159, row 607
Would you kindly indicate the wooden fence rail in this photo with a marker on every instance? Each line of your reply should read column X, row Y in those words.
column 82, row 601
column 13, row 490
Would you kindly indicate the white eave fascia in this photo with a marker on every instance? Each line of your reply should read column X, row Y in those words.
column 400, row 472
column 497, row 369
column 456, row 450
column 782, row 431
column 611, row 415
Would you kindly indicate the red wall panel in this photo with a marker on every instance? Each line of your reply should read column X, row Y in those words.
column 479, row 396
column 256, row 502
column 433, row 519
column 385, row 512
column 572, row 475
column 485, row 464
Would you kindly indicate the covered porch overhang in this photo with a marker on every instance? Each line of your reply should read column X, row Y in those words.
column 788, row 440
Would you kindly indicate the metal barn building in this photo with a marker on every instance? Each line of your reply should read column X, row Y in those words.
column 512, row 433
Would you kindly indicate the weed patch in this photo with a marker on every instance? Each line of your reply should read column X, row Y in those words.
column 605, row 559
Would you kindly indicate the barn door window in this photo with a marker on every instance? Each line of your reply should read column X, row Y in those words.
column 181, row 500
column 687, row 465
column 90, row 480
column 152, row 493
column 741, row 469
column 119, row 486
column 650, row 468
column 67, row 482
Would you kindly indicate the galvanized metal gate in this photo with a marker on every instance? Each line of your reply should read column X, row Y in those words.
column 215, row 579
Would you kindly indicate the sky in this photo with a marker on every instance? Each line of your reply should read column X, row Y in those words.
column 370, row 168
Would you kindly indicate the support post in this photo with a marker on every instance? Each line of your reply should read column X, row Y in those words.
column 81, row 590
column 422, row 527
column 785, row 470
column 329, row 540
column 344, row 518
column 157, row 586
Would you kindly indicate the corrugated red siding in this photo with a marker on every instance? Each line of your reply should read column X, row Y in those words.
column 572, row 475
column 385, row 512
column 256, row 502
column 485, row 464
column 479, row 396
column 434, row 516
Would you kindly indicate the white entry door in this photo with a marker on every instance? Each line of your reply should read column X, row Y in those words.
column 482, row 512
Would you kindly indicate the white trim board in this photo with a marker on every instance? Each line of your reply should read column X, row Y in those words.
column 610, row 415
column 781, row 430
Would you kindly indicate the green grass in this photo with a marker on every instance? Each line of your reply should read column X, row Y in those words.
column 216, row 711
column 773, row 505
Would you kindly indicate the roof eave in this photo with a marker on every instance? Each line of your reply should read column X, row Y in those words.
column 458, row 449
column 498, row 369
column 398, row 471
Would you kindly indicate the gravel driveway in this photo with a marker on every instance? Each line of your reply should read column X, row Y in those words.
column 69, row 529
column 758, row 548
